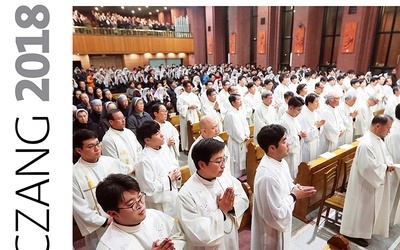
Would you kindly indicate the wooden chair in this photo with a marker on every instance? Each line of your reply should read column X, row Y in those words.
column 193, row 130
column 345, row 165
column 330, row 197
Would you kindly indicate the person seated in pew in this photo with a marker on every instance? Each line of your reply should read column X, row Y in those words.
column 134, row 226
column 211, row 204
column 274, row 193
column 367, row 204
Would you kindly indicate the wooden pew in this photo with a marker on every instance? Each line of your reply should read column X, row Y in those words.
column 193, row 131
column 246, row 220
column 175, row 121
column 253, row 158
column 185, row 173
column 251, row 128
column 224, row 136
column 312, row 174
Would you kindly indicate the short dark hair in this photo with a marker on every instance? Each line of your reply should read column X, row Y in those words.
column 205, row 149
column 270, row 135
column 397, row 111
column 225, row 81
column 233, row 97
column 382, row 119
column 109, row 192
column 210, row 91
column 310, row 98
column 296, row 101
column 354, row 81
column 185, row 83
column 374, row 79
column 249, row 85
column 147, row 129
column 110, row 114
column 287, row 94
column 395, row 88
column 82, row 135
column 339, row 78
column 293, row 77
column 155, row 108
column 300, row 87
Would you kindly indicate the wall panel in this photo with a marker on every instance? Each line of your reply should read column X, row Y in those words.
column 101, row 44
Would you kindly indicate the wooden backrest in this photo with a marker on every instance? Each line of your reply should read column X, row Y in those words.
column 312, row 174
column 185, row 173
column 174, row 120
column 246, row 219
column 193, row 130
column 251, row 128
column 253, row 158
column 330, row 183
column 379, row 111
column 345, row 167
column 224, row 136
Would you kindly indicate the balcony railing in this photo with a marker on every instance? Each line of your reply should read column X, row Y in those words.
column 128, row 32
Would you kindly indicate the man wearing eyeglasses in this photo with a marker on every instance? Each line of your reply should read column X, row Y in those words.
column 211, row 203
column 91, row 168
column 134, row 226
column 208, row 129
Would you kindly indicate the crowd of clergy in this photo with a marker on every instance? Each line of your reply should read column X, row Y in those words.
column 127, row 191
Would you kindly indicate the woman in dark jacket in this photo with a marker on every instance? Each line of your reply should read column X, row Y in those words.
column 137, row 115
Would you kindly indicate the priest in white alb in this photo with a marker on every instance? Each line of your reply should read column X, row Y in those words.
column 295, row 135
column 238, row 130
column 171, row 134
column 88, row 171
column 211, row 203
column 158, row 171
column 333, row 127
column 367, row 204
column 188, row 106
column 274, row 193
column 312, row 124
column 265, row 113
